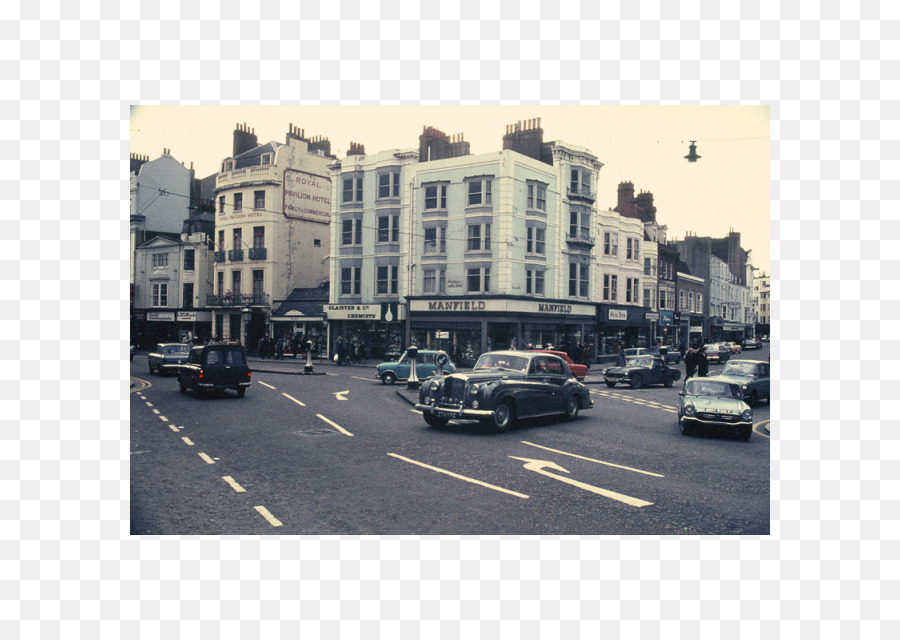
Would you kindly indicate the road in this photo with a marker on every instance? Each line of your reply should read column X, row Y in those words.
column 341, row 454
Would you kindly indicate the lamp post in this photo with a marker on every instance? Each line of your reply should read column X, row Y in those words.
column 245, row 315
column 412, row 355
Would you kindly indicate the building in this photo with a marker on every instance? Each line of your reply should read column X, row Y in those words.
column 690, row 296
column 762, row 304
column 273, row 223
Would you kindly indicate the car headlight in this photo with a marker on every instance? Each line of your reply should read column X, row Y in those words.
column 743, row 387
column 747, row 415
column 434, row 386
column 474, row 390
column 604, row 371
column 690, row 410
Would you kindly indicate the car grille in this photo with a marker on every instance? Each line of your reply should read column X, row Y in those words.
column 718, row 417
column 454, row 391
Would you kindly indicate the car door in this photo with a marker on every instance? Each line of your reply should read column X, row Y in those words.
column 557, row 375
column 535, row 397
column 763, row 380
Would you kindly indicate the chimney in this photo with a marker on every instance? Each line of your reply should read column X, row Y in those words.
column 526, row 138
column 244, row 139
column 625, row 205
column 137, row 160
column 320, row 146
column 434, row 144
column 356, row 149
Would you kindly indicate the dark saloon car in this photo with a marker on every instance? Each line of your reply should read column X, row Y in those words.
column 752, row 375
column 167, row 357
column 215, row 367
column 751, row 343
column 715, row 403
column 718, row 352
column 640, row 371
column 505, row 386
column 390, row 372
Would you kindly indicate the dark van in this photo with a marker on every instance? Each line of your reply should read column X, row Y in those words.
column 215, row 367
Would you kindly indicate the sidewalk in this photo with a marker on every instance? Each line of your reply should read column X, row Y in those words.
column 291, row 366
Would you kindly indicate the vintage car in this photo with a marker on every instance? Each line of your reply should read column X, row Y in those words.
column 390, row 372
column 215, row 367
column 635, row 351
column 718, row 352
column 716, row 403
column 752, row 375
column 751, row 343
column 640, row 371
column 131, row 355
column 672, row 354
column 735, row 346
column 167, row 357
column 503, row 387
column 578, row 370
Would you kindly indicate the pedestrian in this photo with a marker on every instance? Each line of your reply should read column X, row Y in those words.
column 279, row 349
column 620, row 355
column 690, row 363
column 702, row 363
column 339, row 350
column 361, row 351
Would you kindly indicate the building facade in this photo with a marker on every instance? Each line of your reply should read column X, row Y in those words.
column 690, row 297
column 763, row 304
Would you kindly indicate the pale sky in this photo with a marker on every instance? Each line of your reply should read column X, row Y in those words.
column 726, row 189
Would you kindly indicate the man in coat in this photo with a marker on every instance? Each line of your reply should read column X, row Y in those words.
column 702, row 362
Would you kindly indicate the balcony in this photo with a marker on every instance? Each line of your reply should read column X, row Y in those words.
column 219, row 256
column 581, row 239
column 258, row 253
column 265, row 173
column 238, row 300
column 236, row 255
column 580, row 193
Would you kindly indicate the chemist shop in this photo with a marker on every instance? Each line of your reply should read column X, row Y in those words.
column 467, row 327
column 378, row 327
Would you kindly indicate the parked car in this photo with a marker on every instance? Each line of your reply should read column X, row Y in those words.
column 215, row 367
column 672, row 354
column 131, row 355
column 578, row 370
column 715, row 403
column 390, row 372
column 750, row 343
column 752, row 376
column 635, row 351
column 167, row 357
column 641, row 371
column 718, row 352
column 503, row 387
column 735, row 346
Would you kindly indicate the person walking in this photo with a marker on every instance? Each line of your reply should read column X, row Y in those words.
column 339, row 350
column 279, row 349
column 620, row 355
column 702, row 363
column 690, row 363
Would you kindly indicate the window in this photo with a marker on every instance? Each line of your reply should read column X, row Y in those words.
column 610, row 243
column 160, row 260
column 228, row 165
column 351, row 281
column 647, row 297
column 317, row 242
column 221, row 287
column 534, row 241
column 160, row 295
column 221, row 204
column 388, row 228
column 699, row 303
column 436, row 196
column 221, row 241
column 681, row 299
column 477, row 241
column 580, row 224
column 258, row 286
column 238, row 201
column 479, row 192
column 537, row 196
column 631, row 249
column 188, row 259
column 351, row 231
column 534, row 282
column 691, row 306
column 389, row 185
column 429, row 279
column 631, row 290
column 187, row 295
column 478, row 280
column 650, row 267
column 259, row 199
column 353, row 190
column 385, row 278
column 259, row 237
column 610, row 287
column 581, row 182
column 266, row 158
column 236, row 283
column 395, row 281
column 578, row 279
column 436, row 240
column 236, row 240
column 442, row 281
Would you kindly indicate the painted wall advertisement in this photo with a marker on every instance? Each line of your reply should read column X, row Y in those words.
column 307, row 196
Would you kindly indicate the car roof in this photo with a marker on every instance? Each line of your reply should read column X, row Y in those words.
column 750, row 361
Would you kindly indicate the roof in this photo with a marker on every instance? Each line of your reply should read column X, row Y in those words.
column 253, row 157
column 303, row 302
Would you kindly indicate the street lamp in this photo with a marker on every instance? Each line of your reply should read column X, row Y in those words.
column 245, row 314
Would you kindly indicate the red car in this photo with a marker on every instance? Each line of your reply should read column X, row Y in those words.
column 578, row 370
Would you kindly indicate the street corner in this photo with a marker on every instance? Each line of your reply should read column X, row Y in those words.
column 409, row 395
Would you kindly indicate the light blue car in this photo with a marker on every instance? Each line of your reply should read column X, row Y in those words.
column 390, row 372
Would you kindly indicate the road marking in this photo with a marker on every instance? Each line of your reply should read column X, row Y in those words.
column 338, row 394
column 206, row 458
column 366, row 379
column 538, row 467
column 416, row 411
column 275, row 522
column 760, row 426
column 294, row 399
column 332, row 374
column 149, row 404
column 234, row 485
column 611, row 464
column 265, row 385
column 188, row 442
column 336, row 426
column 163, row 418
column 456, row 475
column 173, row 428
column 156, row 411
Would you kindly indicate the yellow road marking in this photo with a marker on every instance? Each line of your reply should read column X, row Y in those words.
column 538, row 467
column 206, row 458
column 188, row 442
column 265, row 385
column 275, row 522
column 173, row 428
column 149, row 404
column 294, row 399
column 156, row 411
column 575, row 455
column 336, row 426
column 456, row 475
column 760, row 433
column 163, row 418
column 234, row 485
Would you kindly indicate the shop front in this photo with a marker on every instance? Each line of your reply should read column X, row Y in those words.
column 665, row 329
column 734, row 332
column 378, row 327
column 467, row 327
column 690, row 330
column 194, row 326
column 618, row 323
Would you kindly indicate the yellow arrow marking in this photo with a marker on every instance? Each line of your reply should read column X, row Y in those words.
column 339, row 394
column 574, row 455
column 459, row 477
column 538, row 466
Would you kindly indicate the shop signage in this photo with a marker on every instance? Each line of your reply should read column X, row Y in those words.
column 618, row 314
column 652, row 316
column 442, row 335
column 665, row 318
column 457, row 305
column 389, row 312
column 696, row 330
column 501, row 305
column 352, row 311
column 193, row 316
column 161, row 316
column 307, row 196
column 554, row 308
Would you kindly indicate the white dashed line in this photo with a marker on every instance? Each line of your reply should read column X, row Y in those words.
column 265, row 385
column 294, row 399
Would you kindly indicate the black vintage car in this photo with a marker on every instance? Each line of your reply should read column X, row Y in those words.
column 215, row 367
column 640, row 371
column 504, row 386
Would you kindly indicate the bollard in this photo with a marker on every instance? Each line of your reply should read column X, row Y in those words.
column 309, row 366
column 412, row 355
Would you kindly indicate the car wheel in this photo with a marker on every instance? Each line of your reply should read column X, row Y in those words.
column 182, row 385
column 669, row 381
column 241, row 391
column 744, row 433
column 432, row 421
column 150, row 368
column 636, row 381
column 610, row 383
column 388, row 378
column 504, row 416
column 686, row 429
column 754, row 399
column 572, row 407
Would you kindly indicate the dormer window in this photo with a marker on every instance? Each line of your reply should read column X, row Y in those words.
column 267, row 158
column 228, row 165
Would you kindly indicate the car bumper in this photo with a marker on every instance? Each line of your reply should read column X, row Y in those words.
column 455, row 413
column 213, row 385
column 714, row 424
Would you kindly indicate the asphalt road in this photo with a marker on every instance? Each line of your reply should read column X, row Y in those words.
column 342, row 454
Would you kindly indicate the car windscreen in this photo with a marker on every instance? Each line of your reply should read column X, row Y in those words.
column 502, row 361
column 712, row 388
column 639, row 362
column 739, row 369
column 177, row 349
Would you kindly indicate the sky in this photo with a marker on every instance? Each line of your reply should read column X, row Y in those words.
column 727, row 189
